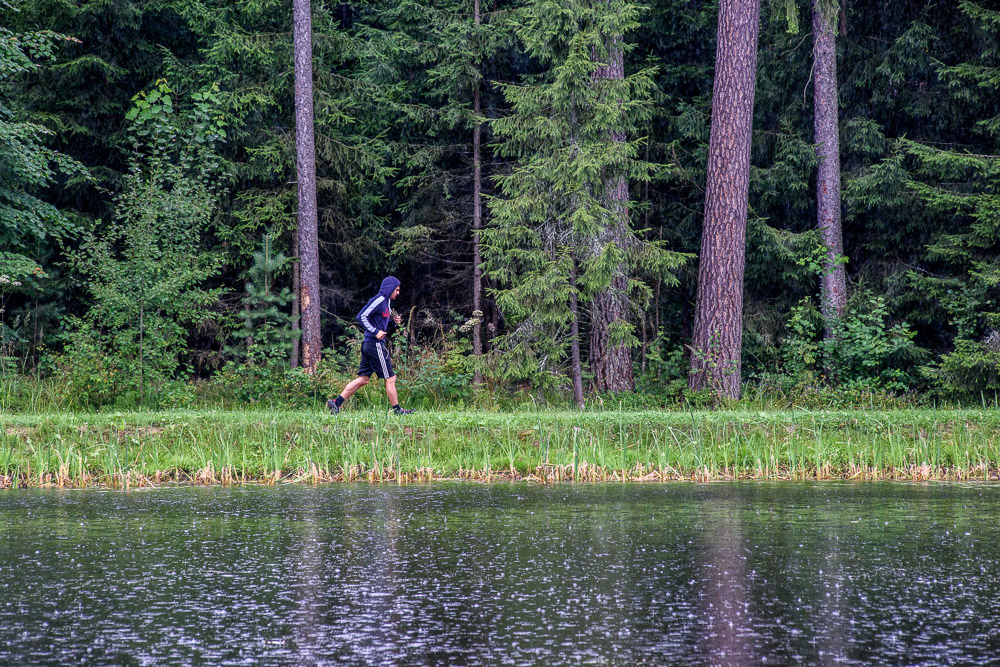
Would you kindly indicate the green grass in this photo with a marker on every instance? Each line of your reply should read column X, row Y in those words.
column 228, row 447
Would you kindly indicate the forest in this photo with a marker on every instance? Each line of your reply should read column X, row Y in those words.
column 586, row 201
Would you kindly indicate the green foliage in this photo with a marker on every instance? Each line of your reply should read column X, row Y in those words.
column 801, row 347
column 260, row 373
column 27, row 165
column 811, row 391
column 435, row 378
column 664, row 362
column 146, row 269
column 264, row 379
column 573, row 135
column 864, row 348
column 969, row 372
column 266, row 329
column 961, row 188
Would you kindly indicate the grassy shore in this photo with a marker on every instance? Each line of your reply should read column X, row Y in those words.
column 227, row 447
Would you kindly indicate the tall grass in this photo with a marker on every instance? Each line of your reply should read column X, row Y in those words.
column 215, row 447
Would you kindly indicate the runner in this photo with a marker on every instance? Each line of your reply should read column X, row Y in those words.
column 378, row 323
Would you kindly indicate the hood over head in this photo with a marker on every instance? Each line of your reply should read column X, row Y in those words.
column 389, row 286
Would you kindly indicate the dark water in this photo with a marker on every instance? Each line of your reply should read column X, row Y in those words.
column 518, row 575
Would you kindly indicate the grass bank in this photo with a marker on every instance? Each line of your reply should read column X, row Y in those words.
column 227, row 447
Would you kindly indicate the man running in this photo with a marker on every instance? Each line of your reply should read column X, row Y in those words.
column 378, row 322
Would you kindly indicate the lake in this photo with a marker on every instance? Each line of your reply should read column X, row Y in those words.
column 464, row 574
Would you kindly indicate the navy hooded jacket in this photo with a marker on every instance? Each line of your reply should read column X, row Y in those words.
column 377, row 314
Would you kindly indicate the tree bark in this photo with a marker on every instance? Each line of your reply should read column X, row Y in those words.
column 718, row 322
column 833, row 282
column 611, row 362
column 576, row 371
column 293, row 360
column 477, row 222
column 305, row 152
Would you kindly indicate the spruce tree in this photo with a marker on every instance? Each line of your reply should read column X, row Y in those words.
column 436, row 58
column 962, row 187
column 266, row 330
column 547, row 245
column 610, row 330
column 26, row 165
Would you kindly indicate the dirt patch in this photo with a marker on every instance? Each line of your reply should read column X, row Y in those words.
column 139, row 432
column 20, row 432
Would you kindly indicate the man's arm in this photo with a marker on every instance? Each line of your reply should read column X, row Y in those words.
column 363, row 317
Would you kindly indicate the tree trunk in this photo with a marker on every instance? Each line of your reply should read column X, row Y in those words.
column 611, row 362
column 718, row 321
column 305, row 152
column 576, row 371
column 346, row 18
column 477, row 223
column 293, row 360
column 833, row 282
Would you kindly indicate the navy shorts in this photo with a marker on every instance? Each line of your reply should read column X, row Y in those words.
column 375, row 359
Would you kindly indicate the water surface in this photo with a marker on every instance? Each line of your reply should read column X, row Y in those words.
column 832, row 573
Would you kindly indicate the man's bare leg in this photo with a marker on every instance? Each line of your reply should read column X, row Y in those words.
column 390, row 391
column 357, row 383
column 354, row 385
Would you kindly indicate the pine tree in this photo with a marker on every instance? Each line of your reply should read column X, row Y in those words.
column 781, row 205
column 718, row 324
column 833, row 281
column 305, row 151
column 246, row 47
column 477, row 210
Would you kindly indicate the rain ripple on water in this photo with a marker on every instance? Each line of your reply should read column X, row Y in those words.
column 506, row 574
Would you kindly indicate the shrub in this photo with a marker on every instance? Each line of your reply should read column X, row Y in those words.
column 971, row 372
column 865, row 348
column 145, row 269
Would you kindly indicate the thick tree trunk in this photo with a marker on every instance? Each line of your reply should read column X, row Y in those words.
column 305, row 152
column 833, row 282
column 477, row 223
column 576, row 370
column 611, row 362
column 718, row 322
column 293, row 359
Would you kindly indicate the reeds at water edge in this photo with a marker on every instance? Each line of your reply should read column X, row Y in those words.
column 270, row 447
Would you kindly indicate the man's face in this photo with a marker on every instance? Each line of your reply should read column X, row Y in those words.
column 395, row 293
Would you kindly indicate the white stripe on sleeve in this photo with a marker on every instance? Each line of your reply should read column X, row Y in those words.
column 367, row 312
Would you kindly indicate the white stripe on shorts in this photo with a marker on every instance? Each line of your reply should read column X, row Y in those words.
column 385, row 371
